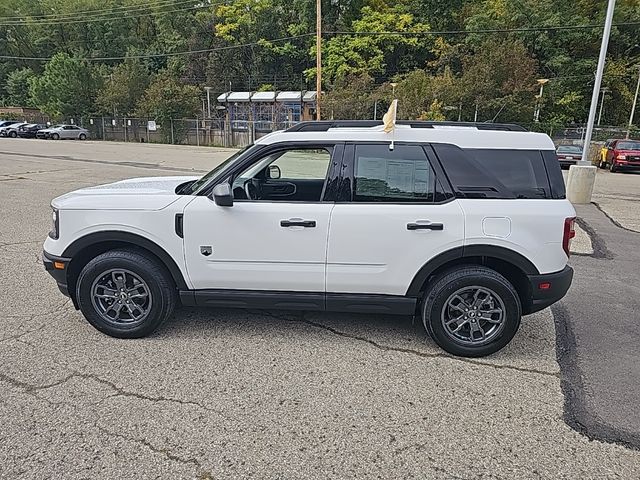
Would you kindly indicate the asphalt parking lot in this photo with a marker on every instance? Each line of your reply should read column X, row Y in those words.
column 256, row 394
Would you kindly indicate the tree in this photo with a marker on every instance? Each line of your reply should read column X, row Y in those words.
column 67, row 87
column 18, row 88
column 375, row 54
column 167, row 98
column 124, row 88
column 350, row 98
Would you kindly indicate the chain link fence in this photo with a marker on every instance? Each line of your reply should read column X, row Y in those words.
column 181, row 131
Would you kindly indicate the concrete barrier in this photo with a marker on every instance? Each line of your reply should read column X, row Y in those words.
column 580, row 183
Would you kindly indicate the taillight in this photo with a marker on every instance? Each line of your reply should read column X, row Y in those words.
column 569, row 233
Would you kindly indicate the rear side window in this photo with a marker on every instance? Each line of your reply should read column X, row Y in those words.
column 403, row 174
column 495, row 173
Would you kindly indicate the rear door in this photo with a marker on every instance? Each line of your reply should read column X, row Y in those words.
column 393, row 215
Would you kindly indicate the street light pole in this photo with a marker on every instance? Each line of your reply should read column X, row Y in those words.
column 536, row 115
column 604, row 91
column 598, row 82
column 633, row 108
column 208, row 89
column 318, row 56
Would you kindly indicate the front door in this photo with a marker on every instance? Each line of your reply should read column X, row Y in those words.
column 274, row 237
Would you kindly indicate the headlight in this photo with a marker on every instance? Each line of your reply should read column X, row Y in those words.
column 55, row 227
column 621, row 157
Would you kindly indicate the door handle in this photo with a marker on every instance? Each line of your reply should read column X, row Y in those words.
column 298, row 223
column 425, row 226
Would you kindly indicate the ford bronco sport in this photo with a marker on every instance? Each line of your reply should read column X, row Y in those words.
column 463, row 225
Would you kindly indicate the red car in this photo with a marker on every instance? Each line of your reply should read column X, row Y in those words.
column 621, row 154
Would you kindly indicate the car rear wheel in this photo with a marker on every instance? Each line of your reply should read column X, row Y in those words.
column 125, row 293
column 471, row 311
column 82, row 136
column 55, row 136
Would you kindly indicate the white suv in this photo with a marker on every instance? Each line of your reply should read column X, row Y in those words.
column 466, row 225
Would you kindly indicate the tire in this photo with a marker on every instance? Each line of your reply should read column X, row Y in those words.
column 612, row 168
column 13, row 134
column 55, row 136
column 148, row 312
column 82, row 136
column 437, row 311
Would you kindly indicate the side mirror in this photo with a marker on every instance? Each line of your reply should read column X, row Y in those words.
column 273, row 172
column 222, row 195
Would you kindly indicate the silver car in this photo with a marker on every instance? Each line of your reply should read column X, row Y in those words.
column 64, row 132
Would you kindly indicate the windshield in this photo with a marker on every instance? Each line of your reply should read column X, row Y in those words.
column 628, row 146
column 198, row 184
column 569, row 149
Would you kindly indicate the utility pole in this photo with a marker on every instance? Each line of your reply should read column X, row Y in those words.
column 318, row 56
column 633, row 108
column 598, row 82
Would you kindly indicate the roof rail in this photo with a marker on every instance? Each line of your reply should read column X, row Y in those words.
column 324, row 125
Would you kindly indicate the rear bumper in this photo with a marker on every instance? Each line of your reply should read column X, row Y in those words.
column 51, row 264
column 547, row 289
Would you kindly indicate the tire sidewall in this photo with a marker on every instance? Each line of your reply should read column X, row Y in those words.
column 446, row 286
column 98, row 267
column 55, row 136
column 82, row 136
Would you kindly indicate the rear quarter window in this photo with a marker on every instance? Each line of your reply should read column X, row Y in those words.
column 499, row 173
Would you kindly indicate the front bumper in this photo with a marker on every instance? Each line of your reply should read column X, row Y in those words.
column 57, row 268
column 547, row 289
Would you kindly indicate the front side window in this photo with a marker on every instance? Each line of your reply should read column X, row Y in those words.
column 291, row 175
column 399, row 175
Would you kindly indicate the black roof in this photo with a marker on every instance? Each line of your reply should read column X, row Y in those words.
column 324, row 125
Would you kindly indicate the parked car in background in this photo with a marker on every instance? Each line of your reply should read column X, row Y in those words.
column 11, row 130
column 29, row 130
column 621, row 154
column 568, row 154
column 60, row 132
column 7, row 123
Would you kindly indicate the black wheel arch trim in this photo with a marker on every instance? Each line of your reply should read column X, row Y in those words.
column 133, row 239
column 493, row 251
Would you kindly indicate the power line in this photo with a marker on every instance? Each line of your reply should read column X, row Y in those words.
column 114, row 9
column 170, row 54
column 118, row 16
column 491, row 30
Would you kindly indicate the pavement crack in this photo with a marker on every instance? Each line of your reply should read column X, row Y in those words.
column 410, row 351
column 120, row 392
column 161, row 451
column 19, row 336
column 613, row 220
column 600, row 249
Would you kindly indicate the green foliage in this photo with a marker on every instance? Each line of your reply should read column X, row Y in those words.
column 124, row 88
column 67, row 87
column 373, row 54
column 17, row 85
column 252, row 44
column 167, row 98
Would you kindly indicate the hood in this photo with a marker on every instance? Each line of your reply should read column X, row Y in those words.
column 628, row 152
column 148, row 193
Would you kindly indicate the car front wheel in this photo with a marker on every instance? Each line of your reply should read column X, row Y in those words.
column 471, row 311
column 82, row 136
column 125, row 293
column 55, row 136
column 13, row 134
